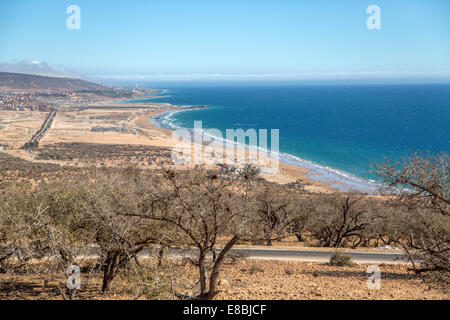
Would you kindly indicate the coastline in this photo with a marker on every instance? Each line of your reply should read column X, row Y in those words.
column 153, row 120
column 291, row 169
column 163, row 137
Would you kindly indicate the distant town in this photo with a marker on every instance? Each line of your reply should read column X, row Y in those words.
column 44, row 99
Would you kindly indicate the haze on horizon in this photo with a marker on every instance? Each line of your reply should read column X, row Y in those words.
column 232, row 40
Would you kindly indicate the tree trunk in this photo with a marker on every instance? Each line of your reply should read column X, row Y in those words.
column 268, row 238
column 72, row 294
column 201, row 269
column 212, row 292
column 112, row 262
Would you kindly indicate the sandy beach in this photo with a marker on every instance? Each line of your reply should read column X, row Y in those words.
column 287, row 173
column 111, row 122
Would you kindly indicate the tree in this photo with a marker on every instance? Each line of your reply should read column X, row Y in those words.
column 419, row 187
column 45, row 230
column 113, row 203
column 52, row 227
column 274, row 210
column 198, row 208
column 339, row 218
column 385, row 228
column 301, row 216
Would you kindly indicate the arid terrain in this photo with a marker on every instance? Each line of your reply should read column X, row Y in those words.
column 253, row 280
column 77, row 136
column 100, row 121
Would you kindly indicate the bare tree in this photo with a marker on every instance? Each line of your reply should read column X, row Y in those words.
column 199, row 208
column 302, row 215
column 46, row 232
column 54, row 226
column 339, row 218
column 419, row 188
column 275, row 209
column 385, row 228
column 420, row 180
column 114, row 201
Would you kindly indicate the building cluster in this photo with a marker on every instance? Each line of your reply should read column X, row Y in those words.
column 22, row 102
column 123, row 129
column 55, row 94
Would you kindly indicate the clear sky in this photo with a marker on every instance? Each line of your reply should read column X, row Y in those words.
column 279, row 38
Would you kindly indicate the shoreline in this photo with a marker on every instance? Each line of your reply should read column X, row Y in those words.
column 291, row 168
column 288, row 173
column 153, row 120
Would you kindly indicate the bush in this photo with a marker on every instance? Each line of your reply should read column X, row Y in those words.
column 288, row 271
column 255, row 269
column 341, row 259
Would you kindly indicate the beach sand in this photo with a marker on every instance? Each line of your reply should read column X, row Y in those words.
column 287, row 173
column 133, row 125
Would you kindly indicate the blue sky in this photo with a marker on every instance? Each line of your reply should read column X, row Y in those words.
column 252, row 38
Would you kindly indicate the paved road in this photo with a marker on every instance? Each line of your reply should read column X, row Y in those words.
column 284, row 255
column 320, row 255
column 302, row 255
column 47, row 123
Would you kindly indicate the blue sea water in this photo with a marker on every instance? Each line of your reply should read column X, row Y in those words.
column 337, row 128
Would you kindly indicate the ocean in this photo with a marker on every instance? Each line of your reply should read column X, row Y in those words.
column 337, row 130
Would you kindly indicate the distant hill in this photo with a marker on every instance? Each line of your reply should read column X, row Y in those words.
column 37, row 68
column 20, row 81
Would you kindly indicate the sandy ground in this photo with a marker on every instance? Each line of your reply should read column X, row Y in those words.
column 73, row 125
column 17, row 127
column 244, row 280
column 76, row 127
column 253, row 280
column 298, row 281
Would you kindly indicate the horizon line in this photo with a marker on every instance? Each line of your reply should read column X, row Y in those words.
column 363, row 75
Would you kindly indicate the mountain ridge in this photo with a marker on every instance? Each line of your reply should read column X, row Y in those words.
column 23, row 81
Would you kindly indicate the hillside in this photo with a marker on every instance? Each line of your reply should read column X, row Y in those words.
column 20, row 81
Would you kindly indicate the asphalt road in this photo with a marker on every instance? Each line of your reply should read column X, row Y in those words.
column 310, row 255
column 320, row 255
column 301, row 255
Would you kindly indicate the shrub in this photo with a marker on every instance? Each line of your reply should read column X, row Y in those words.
column 341, row 259
column 288, row 271
column 255, row 269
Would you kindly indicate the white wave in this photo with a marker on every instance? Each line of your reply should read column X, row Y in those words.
column 319, row 172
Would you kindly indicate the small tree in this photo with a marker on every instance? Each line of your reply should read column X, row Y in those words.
column 198, row 208
column 53, row 228
column 304, row 208
column 113, row 203
column 274, row 210
column 385, row 228
column 47, row 232
column 339, row 218
column 419, row 188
